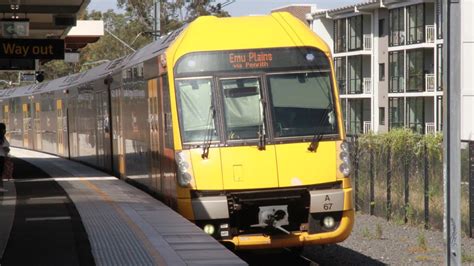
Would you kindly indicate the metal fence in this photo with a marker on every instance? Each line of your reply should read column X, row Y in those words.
column 404, row 185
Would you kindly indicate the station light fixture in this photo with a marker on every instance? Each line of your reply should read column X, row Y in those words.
column 39, row 75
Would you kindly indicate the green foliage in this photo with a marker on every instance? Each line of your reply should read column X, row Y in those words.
column 173, row 14
column 403, row 143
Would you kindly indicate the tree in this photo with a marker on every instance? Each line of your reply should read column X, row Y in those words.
column 107, row 47
column 173, row 13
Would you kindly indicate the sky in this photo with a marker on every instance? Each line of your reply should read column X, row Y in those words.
column 243, row 7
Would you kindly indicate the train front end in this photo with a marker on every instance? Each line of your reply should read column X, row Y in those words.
column 260, row 151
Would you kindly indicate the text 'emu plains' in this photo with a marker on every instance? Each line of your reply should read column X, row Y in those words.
column 250, row 60
column 32, row 49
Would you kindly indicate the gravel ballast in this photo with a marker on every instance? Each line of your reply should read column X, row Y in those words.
column 375, row 241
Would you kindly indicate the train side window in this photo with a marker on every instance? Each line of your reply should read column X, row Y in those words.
column 168, row 124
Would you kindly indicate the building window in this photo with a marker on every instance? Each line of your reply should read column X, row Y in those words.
column 396, row 112
column 439, row 64
column 355, row 33
column 382, row 116
column 415, row 77
column 355, row 116
column 340, row 35
column 439, row 18
column 397, row 27
column 340, row 64
column 416, row 114
column 416, row 24
column 382, row 72
column 355, row 74
column 381, row 27
column 396, row 71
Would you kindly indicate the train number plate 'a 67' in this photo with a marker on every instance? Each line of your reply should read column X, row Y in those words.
column 330, row 200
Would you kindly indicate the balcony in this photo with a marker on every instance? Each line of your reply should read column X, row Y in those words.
column 429, row 82
column 367, row 42
column 430, row 128
column 367, row 85
column 430, row 33
column 367, row 127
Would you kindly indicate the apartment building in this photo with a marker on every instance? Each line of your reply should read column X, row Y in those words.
column 388, row 62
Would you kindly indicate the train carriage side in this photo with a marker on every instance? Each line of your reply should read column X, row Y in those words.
column 88, row 119
column 34, row 118
column 141, row 119
column 258, row 133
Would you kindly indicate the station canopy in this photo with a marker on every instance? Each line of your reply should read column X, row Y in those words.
column 42, row 29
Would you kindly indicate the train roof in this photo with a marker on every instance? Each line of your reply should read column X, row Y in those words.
column 277, row 30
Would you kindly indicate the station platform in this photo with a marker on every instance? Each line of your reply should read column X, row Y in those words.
column 60, row 212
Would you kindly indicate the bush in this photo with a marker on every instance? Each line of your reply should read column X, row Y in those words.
column 390, row 171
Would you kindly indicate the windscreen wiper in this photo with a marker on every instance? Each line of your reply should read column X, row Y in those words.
column 208, row 136
column 313, row 146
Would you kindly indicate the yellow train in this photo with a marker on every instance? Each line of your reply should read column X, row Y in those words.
column 234, row 122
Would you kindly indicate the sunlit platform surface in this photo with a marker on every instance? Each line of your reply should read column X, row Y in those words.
column 124, row 225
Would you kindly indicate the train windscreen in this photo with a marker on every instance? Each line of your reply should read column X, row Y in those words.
column 278, row 92
column 301, row 104
column 196, row 109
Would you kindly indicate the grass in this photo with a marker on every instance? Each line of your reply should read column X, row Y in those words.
column 366, row 233
column 378, row 231
column 422, row 258
column 466, row 257
column 421, row 241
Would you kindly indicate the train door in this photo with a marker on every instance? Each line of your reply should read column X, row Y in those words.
column 167, row 165
column 26, row 125
column 71, row 125
column 103, row 130
column 119, row 158
column 154, row 123
column 59, row 127
column 37, row 126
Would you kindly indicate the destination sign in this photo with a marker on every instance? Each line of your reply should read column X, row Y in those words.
column 32, row 48
column 252, row 60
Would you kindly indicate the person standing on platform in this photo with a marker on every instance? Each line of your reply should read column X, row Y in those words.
column 4, row 150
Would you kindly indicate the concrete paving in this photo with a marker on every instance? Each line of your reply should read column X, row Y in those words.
column 126, row 226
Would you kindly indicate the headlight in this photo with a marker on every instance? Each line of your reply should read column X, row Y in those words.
column 345, row 167
column 184, row 177
column 343, row 155
column 209, row 229
column 329, row 222
column 345, row 146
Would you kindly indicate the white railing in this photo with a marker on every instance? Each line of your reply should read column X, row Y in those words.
column 367, row 85
column 367, row 42
column 429, row 82
column 430, row 33
column 367, row 127
column 430, row 128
